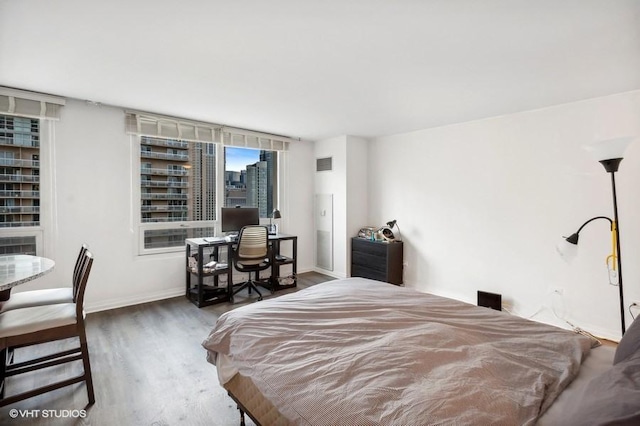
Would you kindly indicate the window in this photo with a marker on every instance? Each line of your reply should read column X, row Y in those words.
column 189, row 169
column 177, row 191
column 179, row 187
column 19, row 183
column 251, row 179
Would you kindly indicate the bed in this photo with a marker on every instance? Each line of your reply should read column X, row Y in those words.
column 357, row 351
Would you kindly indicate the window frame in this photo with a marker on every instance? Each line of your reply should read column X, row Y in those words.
column 137, row 202
column 136, row 144
column 46, row 184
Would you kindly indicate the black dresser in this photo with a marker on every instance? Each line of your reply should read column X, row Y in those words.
column 377, row 260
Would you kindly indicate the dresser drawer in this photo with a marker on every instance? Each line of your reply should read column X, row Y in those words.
column 367, row 260
column 370, row 247
column 364, row 272
column 377, row 260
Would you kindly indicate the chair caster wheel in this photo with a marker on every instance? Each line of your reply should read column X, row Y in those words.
column 259, row 298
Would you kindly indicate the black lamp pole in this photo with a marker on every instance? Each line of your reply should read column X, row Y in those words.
column 611, row 166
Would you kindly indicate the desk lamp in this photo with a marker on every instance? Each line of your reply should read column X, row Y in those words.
column 609, row 154
column 275, row 214
column 393, row 223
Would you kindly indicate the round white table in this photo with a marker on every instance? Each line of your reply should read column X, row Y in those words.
column 16, row 269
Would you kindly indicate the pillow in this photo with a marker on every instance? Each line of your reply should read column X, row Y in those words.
column 629, row 344
column 612, row 398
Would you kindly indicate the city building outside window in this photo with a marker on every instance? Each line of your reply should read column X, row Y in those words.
column 251, row 179
column 180, row 189
column 19, row 185
column 177, row 191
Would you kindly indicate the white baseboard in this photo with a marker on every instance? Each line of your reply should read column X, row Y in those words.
column 133, row 300
column 330, row 273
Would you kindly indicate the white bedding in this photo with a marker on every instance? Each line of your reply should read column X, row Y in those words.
column 357, row 351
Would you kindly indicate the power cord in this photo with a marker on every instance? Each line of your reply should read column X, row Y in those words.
column 595, row 341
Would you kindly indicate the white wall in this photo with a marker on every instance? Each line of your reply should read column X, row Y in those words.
column 335, row 182
column 481, row 205
column 93, row 185
column 299, row 183
column 347, row 181
column 357, row 191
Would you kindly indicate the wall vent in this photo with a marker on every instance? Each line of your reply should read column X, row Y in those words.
column 323, row 164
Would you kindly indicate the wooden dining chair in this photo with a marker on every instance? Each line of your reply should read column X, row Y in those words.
column 24, row 327
column 49, row 296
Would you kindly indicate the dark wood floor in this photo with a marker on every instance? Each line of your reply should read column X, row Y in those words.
column 148, row 366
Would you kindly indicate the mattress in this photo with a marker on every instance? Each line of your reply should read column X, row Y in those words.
column 358, row 351
column 263, row 412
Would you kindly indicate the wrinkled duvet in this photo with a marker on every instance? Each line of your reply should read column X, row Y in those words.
column 358, row 352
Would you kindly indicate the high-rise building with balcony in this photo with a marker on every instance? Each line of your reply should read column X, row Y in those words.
column 19, row 181
column 163, row 179
column 177, row 184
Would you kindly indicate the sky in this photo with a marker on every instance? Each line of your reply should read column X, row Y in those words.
column 238, row 158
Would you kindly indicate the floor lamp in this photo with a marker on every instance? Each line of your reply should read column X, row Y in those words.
column 609, row 154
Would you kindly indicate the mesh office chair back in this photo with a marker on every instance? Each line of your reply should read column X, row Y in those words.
column 251, row 255
column 252, row 245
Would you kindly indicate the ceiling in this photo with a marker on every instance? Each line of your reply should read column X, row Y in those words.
column 317, row 69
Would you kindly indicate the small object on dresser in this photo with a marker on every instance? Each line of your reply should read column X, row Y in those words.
column 367, row 232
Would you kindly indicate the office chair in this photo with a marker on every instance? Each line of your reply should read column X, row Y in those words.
column 35, row 325
column 251, row 255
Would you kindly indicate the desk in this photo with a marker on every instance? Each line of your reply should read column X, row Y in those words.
column 16, row 269
column 203, row 295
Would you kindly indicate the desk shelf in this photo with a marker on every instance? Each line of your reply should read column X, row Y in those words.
column 278, row 260
column 220, row 271
column 198, row 291
column 209, row 294
column 284, row 260
column 214, row 290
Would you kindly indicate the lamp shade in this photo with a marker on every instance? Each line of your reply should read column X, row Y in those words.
column 567, row 250
column 276, row 214
column 609, row 149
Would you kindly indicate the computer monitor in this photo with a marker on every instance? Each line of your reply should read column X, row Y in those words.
column 234, row 218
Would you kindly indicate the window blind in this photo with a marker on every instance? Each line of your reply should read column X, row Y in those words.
column 30, row 104
column 147, row 124
column 256, row 140
column 144, row 124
